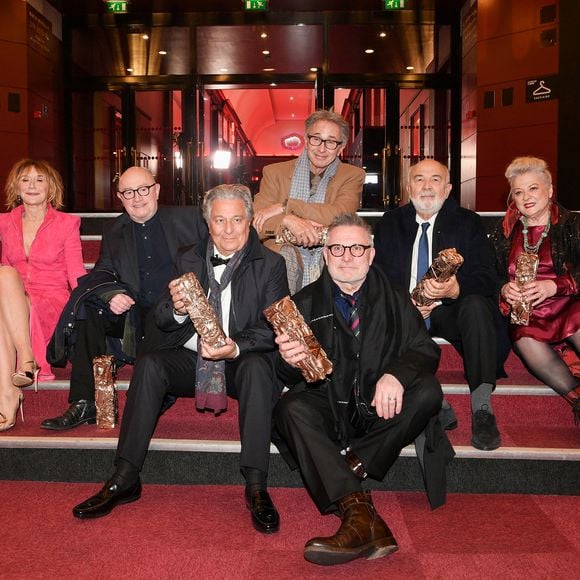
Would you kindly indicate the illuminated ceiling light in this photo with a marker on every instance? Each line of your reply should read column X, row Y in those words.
column 382, row 34
column 163, row 52
column 224, row 69
column 313, row 69
column 410, row 67
column 145, row 37
column 263, row 35
column 291, row 98
column 221, row 159
column 129, row 70
column 268, row 69
column 370, row 50
column 265, row 52
column 301, row 24
column 293, row 115
column 273, row 85
column 375, row 154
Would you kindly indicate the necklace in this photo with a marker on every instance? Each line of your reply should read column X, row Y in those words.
column 534, row 249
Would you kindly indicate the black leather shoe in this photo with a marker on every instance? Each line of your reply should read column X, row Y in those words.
column 264, row 515
column 78, row 413
column 106, row 500
column 484, row 432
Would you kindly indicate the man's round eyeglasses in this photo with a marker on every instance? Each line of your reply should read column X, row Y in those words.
column 356, row 250
column 143, row 191
column 330, row 144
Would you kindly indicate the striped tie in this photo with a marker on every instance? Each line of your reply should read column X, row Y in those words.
column 353, row 319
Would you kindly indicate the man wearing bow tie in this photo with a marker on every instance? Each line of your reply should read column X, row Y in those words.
column 241, row 279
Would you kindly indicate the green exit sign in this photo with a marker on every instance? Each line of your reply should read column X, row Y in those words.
column 394, row 4
column 256, row 4
column 117, row 6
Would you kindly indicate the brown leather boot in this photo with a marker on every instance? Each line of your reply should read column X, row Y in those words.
column 573, row 399
column 361, row 533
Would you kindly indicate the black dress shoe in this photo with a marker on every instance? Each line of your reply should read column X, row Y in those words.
column 484, row 432
column 106, row 500
column 264, row 515
column 78, row 413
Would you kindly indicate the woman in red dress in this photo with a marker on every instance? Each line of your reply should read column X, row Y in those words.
column 535, row 224
column 41, row 261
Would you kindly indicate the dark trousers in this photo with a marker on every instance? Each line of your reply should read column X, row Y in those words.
column 470, row 326
column 91, row 341
column 306, row 422
column 249, row 379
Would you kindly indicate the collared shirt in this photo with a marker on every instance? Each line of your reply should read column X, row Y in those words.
column 155, row 264
column 342, row 302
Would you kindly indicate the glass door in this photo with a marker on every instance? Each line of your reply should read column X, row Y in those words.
column 113, row 130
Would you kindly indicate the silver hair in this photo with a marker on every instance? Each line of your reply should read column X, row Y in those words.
column 228, row 191
column 331, row 117
column 521, row 165
column 351, row 219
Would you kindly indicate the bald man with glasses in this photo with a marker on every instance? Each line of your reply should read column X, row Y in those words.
column 306, row 194
column 136, row 262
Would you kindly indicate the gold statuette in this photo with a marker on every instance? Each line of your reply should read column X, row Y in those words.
column 285, row 318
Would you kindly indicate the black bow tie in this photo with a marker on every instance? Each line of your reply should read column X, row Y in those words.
column 218, row 261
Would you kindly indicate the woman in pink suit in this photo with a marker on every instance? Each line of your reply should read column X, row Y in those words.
column 44, row 247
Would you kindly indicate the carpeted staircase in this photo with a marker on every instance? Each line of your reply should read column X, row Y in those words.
column 540, row 450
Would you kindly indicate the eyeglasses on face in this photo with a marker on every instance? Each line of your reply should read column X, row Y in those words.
column 330, row 144
column 356, row 250
column 143, row 191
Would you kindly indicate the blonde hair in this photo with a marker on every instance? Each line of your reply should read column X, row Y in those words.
column 53, row 178
column 521, row 165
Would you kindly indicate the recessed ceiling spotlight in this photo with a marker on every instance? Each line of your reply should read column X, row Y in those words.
column 301, row 24
column 313, row 69
column 370, row 50
column 268, row 69
column 293, row 115
column 162, row 52
column 263, row 35
column 273, row 85
column 129, row 70
column 291, row 98
column 382, row 34
column 265, row 52
column 145, row 37
column 410, row 67
column 224, row 70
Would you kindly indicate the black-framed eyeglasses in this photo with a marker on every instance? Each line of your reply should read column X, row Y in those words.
column 330, row 144
column 356, row 250
column 143, row 191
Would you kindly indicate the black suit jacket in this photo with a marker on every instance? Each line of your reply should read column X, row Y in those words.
column 182, row 226
column 455, row 227
column 259, row 281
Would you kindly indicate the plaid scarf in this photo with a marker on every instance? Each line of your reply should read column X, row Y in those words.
column 302, row 189
column 210, row 375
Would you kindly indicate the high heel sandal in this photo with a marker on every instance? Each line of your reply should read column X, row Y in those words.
column 4, row 426
column 23, row 379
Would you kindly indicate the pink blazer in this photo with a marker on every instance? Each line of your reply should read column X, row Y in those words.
column 48, row 273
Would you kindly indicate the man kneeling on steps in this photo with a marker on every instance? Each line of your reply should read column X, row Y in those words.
column 380, row 396
column 242, row 278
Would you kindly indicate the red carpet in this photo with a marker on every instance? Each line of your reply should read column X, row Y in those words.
column 205, row 533
column 523, row 420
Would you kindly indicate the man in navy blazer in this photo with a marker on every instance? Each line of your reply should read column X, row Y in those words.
column 463, row 311
column 139, row 249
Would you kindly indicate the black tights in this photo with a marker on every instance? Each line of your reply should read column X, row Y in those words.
column 547, row 365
